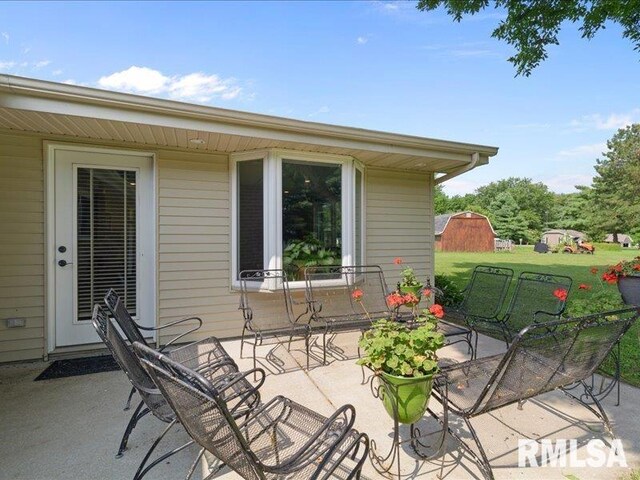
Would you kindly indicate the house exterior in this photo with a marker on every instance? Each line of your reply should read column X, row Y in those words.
column 624, row 240
column 168, row 202
column 464, row 232
column 554, row 237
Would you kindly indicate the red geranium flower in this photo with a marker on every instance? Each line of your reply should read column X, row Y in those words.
column 426, row 292
column 584, row 286
column 395, row 300
column 610, row 278
column 397, row 261
column 637, row 267
column 436, row 310
column 560, row 294
column 411, row 298
column 357, row 294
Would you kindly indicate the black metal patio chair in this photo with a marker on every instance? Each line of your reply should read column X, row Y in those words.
column 203, row 356
column 135, row 332
column 537, row 298
column 268, row 311
column 279, row 439
column 541, row 358
column 483, row 297
column 345, row 298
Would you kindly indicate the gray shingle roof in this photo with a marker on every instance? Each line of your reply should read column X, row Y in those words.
column 441, row 222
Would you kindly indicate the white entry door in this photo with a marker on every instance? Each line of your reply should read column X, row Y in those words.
column 104, row 237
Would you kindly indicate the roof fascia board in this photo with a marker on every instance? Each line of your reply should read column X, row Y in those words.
column 390, row 142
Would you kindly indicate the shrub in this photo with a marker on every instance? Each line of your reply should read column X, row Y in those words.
column 451, row 294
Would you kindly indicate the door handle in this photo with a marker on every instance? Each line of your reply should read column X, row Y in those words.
column 64, row 263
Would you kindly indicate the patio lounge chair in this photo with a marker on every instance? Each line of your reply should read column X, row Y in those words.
column 267, row 308
column 203, row 355
column 343, row 299
column 277, row 440
column 542, row 357
column 533, row 301
column 134, row 332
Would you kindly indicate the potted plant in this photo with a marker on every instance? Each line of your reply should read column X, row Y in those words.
column 627, row 275
column 404, row 358
column 409, row 287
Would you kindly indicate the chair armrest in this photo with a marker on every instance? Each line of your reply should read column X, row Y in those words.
column 198, row 321
column 223, row 384
column 542, row 313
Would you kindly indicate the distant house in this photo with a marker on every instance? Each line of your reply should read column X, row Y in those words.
column 554, row 237
column 464, row 232
column 625, row 241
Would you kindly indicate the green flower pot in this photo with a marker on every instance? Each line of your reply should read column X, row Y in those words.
column 411, row 395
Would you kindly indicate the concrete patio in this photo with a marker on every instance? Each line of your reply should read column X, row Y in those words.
column 69, row 428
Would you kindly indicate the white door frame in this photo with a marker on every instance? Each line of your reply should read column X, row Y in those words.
column 50, row 252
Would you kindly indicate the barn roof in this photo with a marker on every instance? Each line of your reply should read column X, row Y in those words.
column 622, row 238
column 441, row 221
column 571, row 233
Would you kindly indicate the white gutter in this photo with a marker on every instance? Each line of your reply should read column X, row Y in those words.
column 475, row 158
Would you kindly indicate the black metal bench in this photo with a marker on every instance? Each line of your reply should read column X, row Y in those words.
column 542, row 357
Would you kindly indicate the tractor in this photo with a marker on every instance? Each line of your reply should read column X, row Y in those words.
column 578, row 246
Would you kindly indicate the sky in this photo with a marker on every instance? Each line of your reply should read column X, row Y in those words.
column 378, row 65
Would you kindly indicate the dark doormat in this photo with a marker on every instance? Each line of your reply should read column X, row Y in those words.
column 78, row 366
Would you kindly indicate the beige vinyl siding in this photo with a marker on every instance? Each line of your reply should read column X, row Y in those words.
column 21, row 246
column 399, row 221
column 194, row 241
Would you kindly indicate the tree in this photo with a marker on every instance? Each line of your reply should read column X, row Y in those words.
column 573, row 211
column 532, row 26
column 535, row 201
column 616, row 186
column 508, row 221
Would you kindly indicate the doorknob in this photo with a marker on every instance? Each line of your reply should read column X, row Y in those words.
column 63, row 263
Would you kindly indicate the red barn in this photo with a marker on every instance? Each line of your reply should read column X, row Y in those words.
column 464, row 232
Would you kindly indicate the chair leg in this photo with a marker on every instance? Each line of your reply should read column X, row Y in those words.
column 306, row 346
column 142, row 470
column 244, row 329
column 485, row 466
column 255, row 362
column 324, row 348
column 133, row 421
column 127, row 406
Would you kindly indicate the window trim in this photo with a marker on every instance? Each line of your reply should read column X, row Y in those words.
column 272, row 205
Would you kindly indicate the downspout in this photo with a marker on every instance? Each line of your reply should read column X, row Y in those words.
column 475, row 158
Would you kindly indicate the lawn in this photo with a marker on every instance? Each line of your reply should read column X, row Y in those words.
column 458, row 267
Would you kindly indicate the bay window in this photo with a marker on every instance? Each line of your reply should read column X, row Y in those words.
column 292, row 210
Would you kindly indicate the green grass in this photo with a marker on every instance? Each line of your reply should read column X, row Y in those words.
column 458, row 266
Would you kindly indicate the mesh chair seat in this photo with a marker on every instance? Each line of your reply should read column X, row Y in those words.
column 466, row 381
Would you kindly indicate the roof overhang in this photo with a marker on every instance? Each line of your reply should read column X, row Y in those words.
column 59, row 109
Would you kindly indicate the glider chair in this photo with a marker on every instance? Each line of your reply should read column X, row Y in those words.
column 279, row 439
column 537, row 298
column 343, row 299
column 267, row 308
column 542, row 357
column 216, row 369
column 135, row 332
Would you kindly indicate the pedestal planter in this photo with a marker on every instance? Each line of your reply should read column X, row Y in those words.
column 629, row 288
column 410, row 394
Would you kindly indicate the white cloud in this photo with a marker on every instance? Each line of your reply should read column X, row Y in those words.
column 7, row 65
column 597, row 121
column 362, row 40
column 592, row 150
column 5, row 35
column 193, row 86
column 56, row 72
column 42, row 63
column 70, row 81
column 565, row 183
column 25, row 50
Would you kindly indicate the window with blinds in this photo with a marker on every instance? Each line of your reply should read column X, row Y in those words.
column 106, row 237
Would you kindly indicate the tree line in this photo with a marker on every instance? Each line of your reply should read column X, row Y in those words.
column 520, row 209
